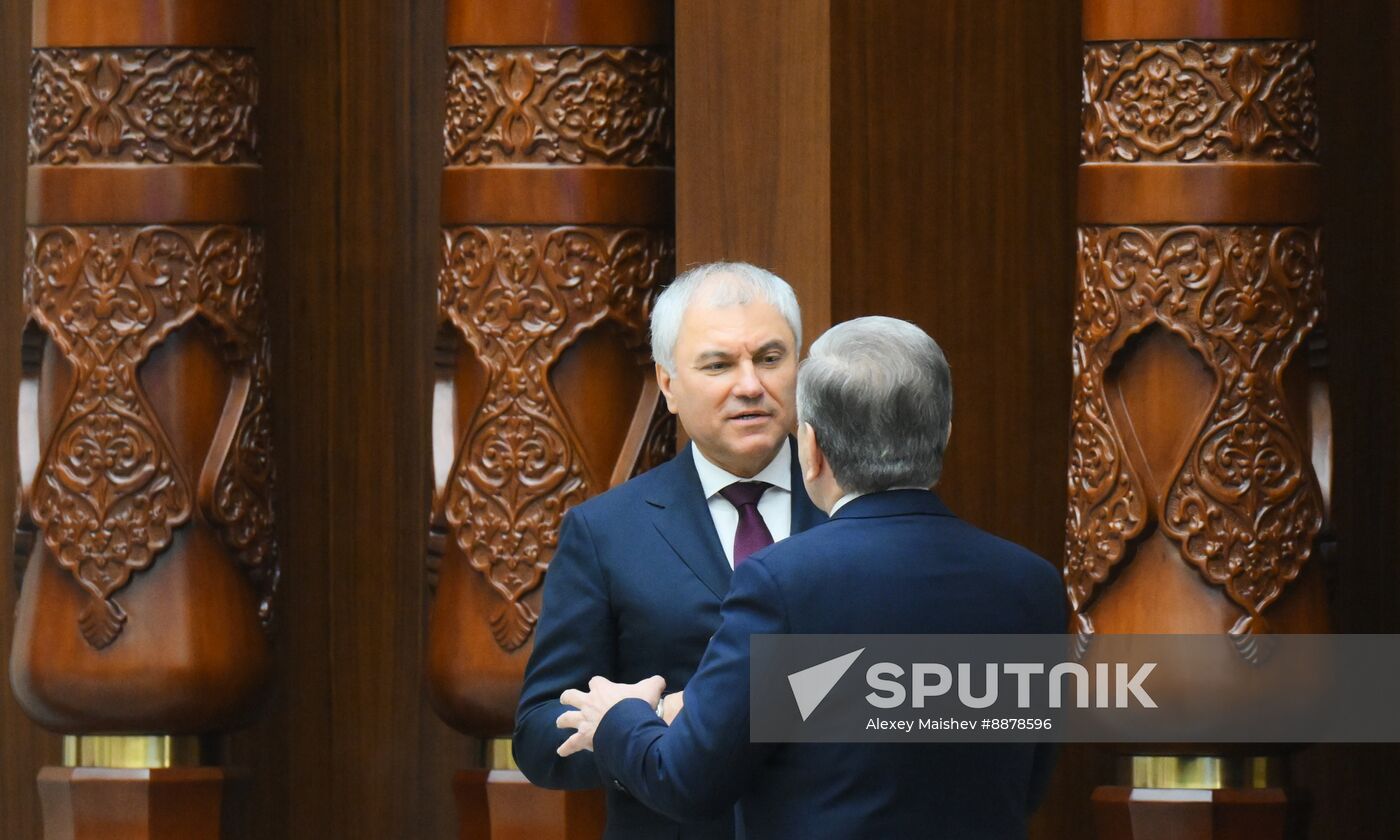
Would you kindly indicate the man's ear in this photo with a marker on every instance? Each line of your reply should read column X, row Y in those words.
column 807, row 441
column 664, row 380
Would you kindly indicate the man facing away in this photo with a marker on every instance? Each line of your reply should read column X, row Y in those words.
column 874, row 408
column 635, row 585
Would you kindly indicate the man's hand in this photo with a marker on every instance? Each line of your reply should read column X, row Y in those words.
column 590, row 706
column 672, row 709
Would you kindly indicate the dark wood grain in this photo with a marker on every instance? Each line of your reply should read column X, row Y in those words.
column 753, row 147
column 1359, row 94
column 348, row 747
column 24, row 745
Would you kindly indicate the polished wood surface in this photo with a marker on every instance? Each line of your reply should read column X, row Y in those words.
column 111, row 23
column 352, row 142
column 125, row 195
column 753, row 166
column 550, row 22
column 1126, row 20
column 89, row 803
column 1234, row 193
column 557, row 195
column 520, row 811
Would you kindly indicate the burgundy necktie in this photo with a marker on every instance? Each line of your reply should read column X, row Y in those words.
column 752, row 533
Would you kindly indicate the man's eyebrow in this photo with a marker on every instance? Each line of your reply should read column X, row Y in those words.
column 775, row 344
column 713, row 355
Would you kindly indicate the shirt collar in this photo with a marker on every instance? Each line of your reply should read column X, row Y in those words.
column 714, row 479
column 842, row 501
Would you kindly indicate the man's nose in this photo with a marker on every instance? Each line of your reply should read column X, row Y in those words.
column 748, row 387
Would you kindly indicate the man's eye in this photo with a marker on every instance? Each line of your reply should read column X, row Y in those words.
column 772, row 358
column 715, row 366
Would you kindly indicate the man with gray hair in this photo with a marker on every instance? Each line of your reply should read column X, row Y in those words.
column 874, row 405
column 635, row 585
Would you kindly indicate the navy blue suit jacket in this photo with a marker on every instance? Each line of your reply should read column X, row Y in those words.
column 634, row 589
column 892, row 562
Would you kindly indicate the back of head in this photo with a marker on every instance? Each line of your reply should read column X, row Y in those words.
column 879, row 395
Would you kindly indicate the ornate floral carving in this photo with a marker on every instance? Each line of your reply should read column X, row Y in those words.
column 659, row 445
column 1206, row 101
column 1243, row 505
column 108, row 491
column 520, row 296
column 568, row 105
column 161, row 105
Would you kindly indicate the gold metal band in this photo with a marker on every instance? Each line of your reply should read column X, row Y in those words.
column 1201, row 772
column 498, row 755
column 131, row 752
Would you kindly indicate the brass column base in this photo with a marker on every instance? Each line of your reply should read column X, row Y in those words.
column 1197, row 797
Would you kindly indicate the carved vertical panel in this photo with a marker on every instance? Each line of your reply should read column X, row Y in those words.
column 150, row 487
column 1243, row 504
column 1199, row 295
column 108, row 494
column 520, row 296
column 557, row 232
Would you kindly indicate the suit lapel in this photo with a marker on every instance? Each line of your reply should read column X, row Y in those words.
column 682, row 516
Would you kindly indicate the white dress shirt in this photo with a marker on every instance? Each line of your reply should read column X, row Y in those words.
column 775, row 506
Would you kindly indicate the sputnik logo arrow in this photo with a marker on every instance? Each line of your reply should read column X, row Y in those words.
column 811, row 685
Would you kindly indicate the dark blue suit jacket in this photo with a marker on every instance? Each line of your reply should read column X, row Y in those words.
column 634, row 589
column 892, row 562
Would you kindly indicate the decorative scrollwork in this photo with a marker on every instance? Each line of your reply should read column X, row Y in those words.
column 143, row 105
column 659, row 445
column 520, row 296
column 108, row 492
column 567, row 105
column 1243, row 505
column 1200, row 101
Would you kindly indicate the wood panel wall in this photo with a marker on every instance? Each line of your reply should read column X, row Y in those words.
column 349, row 748
column 23, row 746
column 948, row 201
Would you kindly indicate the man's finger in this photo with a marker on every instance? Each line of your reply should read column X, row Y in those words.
column 569, row 720
column 576, row 742
column 573, row 697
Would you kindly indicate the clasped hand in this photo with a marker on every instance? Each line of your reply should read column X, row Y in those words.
column 588, row 707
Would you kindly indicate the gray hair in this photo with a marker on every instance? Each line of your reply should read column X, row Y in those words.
column 879, row 395
column 741, row 283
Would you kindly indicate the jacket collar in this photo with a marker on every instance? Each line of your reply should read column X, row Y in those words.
column 682, row 516
column 893, row 503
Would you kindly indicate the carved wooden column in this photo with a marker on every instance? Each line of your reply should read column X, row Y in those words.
column 557, row 212
column 145, row 517
column 1200, row 453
